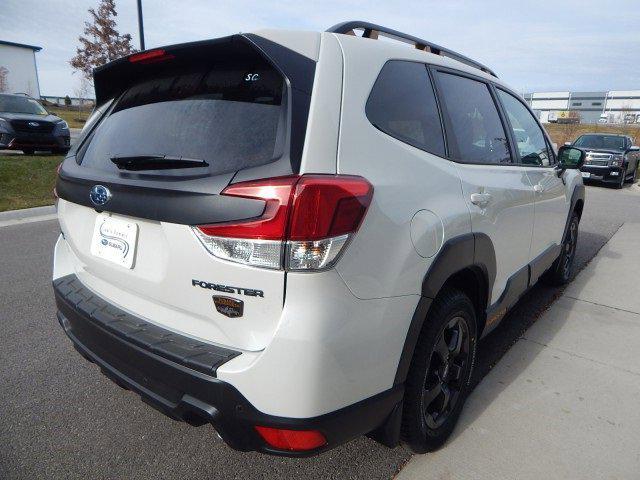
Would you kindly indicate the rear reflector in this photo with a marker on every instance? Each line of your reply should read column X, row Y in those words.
column 305, row 224
column 151, row 56
column 292, row 440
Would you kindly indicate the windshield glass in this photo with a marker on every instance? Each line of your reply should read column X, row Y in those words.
column 230, row 116
column 601, row 141
column 17, row 104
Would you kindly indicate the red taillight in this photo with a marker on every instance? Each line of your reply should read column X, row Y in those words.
column 310, row 207
column 292, row 440
column 306, row 222
column 328, row 206
column 151, row 56
column 272, row 224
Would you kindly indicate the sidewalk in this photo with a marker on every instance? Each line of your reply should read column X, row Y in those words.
column 564, row 402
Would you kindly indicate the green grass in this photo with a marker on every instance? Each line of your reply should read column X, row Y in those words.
column 73, row 117
column 27, row 180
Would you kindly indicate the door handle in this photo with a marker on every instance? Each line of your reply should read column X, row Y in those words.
column 481, row 199
column 538, row 188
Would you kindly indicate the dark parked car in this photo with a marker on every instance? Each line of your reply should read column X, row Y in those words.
column 610, row 158
column 25, row 125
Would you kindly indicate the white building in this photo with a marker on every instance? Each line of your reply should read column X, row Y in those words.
column 18, row 68
column 621, row 106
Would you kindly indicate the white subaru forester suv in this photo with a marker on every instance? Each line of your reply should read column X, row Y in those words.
column 299, row 237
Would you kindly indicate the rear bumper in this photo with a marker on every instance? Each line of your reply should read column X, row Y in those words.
column 183, row 387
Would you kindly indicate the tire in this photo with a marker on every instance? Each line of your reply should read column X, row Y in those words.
column 436, row 388
column 634, row 176
column 60, row 151
column 562, row 269
column 28, row 151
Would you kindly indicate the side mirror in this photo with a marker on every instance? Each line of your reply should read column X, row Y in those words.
column 635, row 148
column 567, row 144
column 571, row 157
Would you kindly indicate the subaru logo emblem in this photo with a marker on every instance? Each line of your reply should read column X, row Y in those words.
column 99, row 195
column 34, row 124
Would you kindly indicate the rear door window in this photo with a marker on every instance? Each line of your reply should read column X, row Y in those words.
column 402, row 104
column 477, row 134
column 228, row 116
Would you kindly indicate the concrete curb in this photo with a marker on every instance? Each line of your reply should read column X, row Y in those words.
column 27, row 215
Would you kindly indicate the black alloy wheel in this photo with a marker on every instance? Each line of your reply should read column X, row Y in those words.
column 439, row 377
column 569, row 247
column 562, row 269
column 445, row 375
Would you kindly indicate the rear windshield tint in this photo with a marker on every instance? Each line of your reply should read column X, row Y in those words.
column 230, row 115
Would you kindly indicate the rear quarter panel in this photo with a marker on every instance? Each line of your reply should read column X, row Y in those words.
column 381, row 261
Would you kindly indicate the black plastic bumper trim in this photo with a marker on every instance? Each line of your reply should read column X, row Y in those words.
column 183, row 350
column 186, row 394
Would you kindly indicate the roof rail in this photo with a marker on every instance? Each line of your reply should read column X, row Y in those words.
column 372, row 31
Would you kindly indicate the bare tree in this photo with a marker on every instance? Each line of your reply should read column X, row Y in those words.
column 628, row 119
column 101, row 42
column 82, row 91
column 4, row 82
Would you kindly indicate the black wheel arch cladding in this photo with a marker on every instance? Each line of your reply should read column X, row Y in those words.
column 472, row 252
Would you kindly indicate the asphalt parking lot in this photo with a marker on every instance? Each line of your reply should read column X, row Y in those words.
column 60, row 418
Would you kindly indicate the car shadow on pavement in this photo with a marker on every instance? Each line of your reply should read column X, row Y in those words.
column 514, row 326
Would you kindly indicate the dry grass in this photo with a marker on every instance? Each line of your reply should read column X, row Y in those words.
column 74, row 117
column 561, row 133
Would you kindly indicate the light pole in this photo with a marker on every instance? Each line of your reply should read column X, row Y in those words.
column 140, row 25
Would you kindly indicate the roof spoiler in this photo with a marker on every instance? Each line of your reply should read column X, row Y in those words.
column 373, row 31
column 115, row 77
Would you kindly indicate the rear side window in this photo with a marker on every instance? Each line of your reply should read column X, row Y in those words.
column 530, row 140
column 229, row 114
column 402, row 104
column 477, row 132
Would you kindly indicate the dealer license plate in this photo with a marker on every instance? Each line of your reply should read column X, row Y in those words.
column 114, row 240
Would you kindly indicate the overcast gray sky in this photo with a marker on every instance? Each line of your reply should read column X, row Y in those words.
column 534, row 45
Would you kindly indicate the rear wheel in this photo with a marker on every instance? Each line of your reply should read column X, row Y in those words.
column 439, row 377
column 562, row 269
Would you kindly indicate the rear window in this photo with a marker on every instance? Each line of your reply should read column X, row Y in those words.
column 230, row 115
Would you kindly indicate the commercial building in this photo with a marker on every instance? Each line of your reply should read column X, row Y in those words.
column 620, row 106
column 18, row 68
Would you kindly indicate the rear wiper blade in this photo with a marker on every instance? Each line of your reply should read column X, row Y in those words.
column 156, row 162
